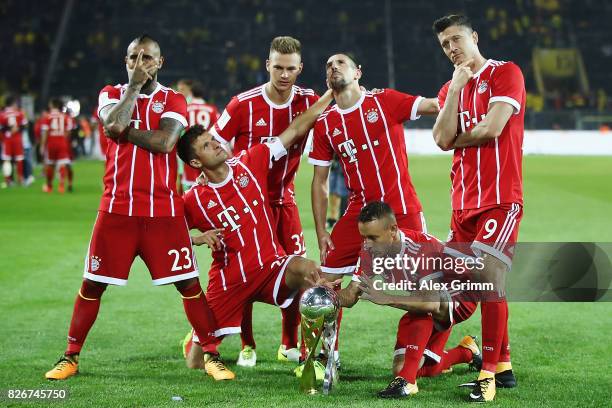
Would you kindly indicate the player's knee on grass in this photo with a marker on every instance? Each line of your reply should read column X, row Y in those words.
column 92, row 289
column 301, row 273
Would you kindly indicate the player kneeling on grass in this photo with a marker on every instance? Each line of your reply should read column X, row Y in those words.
column 424, row 330
column 232, row 209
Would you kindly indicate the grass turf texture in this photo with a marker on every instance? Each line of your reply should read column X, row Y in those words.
column 561, row 352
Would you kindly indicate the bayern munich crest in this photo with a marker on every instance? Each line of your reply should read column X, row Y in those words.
column 158, row 107
column 372, row 116
column 94, row 263
column 484, row 85
column 243, row 181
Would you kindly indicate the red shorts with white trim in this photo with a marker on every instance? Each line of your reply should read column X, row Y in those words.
column 163, row 243
column 493, row 230
column 57, row 151
column 289, row 228
column 347, row 239
column 269, row 287
column 12, row 148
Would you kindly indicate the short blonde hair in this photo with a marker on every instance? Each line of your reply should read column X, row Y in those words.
column 286, row 45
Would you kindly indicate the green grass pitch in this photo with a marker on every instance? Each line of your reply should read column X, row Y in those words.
column 561, row 352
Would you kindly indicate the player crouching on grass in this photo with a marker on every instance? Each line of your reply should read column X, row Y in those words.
column 233, row 210
column 425, row 329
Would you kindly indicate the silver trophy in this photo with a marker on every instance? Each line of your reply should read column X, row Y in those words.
column 319, row 307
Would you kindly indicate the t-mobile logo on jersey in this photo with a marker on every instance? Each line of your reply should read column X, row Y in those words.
column 135, row 123
column 348, row 150
column 466, row 120
column 229, row 216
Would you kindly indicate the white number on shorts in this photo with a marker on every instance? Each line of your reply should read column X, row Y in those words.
column 490, row 227
column 177, row 257
column 299, row 248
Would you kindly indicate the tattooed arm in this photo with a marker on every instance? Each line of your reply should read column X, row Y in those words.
column 157, row 141
column 116, row 117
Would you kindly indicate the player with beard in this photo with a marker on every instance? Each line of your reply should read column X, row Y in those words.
column 431, row 314
column 365, row 130
column 482, row 118
column 140, row 213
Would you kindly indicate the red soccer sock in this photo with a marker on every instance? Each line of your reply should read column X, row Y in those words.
column 450, row 357
column 494, row 322
column 86, row 309
column 197, row 310
column 413, row 333
column 291, row 322
column 49, row 170
column 246, row 327
column 19, row 165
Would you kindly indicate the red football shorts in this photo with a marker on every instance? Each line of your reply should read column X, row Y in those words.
column 347, row 239
column 227, row 304
column 12, row 148
column 289, row 228
column 493, row 230
column 57, row 151
column 163, row 243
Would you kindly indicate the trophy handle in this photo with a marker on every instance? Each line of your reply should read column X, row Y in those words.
column 311, row 333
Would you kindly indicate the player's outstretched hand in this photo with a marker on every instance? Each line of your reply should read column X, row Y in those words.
column 462, row 74
column 141, row 72
column 329, row 284
column 368, row 292
column 211, row 238
column 325, row 245
column 312, row 274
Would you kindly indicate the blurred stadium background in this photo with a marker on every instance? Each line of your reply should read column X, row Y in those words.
column 71, row 49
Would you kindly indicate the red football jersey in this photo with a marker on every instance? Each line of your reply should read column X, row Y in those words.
column 11, row 117
column 240, row 206
column 199, row 113
column 252, row 118
column 489, row 174
column 138, row 182
column 369, row 140
column 57, row 124
column 412, row 244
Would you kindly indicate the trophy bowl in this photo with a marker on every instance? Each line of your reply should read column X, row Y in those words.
column 320, row 301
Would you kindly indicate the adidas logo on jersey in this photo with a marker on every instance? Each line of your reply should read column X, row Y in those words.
column 211, row 204
column 261, row 122
column 336, row 132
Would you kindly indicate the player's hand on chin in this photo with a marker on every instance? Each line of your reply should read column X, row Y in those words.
column 211, row 239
